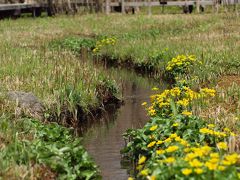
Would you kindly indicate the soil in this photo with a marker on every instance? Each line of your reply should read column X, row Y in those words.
column 228, row 80
column 43, row 172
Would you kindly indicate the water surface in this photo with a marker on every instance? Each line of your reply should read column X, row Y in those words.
column 104, row 139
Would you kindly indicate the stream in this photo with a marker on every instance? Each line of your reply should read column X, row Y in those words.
column 103, row 140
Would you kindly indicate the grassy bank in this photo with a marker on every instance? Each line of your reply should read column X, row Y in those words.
column 32, row 150
column 67, row 87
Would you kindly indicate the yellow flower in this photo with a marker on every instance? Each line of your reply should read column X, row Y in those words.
column 190, row 156
column 186, row 150
column 186, row 113
column 152, row 112
column 155, row 89
column 172, row 149
column 206, row 149
column 160, row 142
column 142, row 160
column 211, row 125
column 221, row 168
column 214, row 155
column 139, row 167
column 195, row 163
column 226, row 129
column 198, row 170
column 130, row 178
column 167, row 140
column 151, row 144
column 226, row 163
column 192, row 57
column 175, row 92
column 153, row 178
column 151, row 137
column 144, row 172
column 232, row 158
column 169, row 160
column 214, row 160
column 211, row 166
column 219, row 134
column 153, row 128
column 178, row 139
column 144, row 103
column 160, row 151
column 173, row 136
column 206, row 131
column 183, row 142
column 208, row 92
column 163, row 104
column 222, row 145
column 175, row 125
column 186, row 171
column 184, row 102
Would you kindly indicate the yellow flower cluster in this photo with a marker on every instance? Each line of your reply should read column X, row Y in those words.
column 104, row 42
column 186, row 113
column 218, row 134
column 222, row 145
column 196, row 159
column 181, row 96
column 199, row 159
column 169, row 160
column 173, row 138
column 151, row 111
column 181, row 61
column 153, row 128
column 171, row 149
column 207, row 152
column 142, row 160
column 186, row 171
column 203, row 159
column 151, row 144
column 208, row 92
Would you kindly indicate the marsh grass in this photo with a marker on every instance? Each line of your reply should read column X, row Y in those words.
column 223, row 109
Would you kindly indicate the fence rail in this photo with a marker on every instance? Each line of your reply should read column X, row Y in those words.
column 107, row 5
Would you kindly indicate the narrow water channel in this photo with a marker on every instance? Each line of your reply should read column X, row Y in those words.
column 104, row 140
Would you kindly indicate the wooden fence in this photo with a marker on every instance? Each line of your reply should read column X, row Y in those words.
column 54, row 6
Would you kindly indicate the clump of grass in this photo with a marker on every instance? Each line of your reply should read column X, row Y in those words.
column 75, row 44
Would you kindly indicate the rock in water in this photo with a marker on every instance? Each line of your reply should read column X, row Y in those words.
column 28, row 102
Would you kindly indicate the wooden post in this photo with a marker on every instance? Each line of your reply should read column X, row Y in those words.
column 198, row 6
column 50, row 9
column 69, row 8
column 215, row 6
column 149, row 7
column 236, row 7
column 123, row 6
column 107, row 7
column 87, row 5
column 33, row 12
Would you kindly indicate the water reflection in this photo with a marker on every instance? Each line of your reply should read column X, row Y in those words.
column 104, row 140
